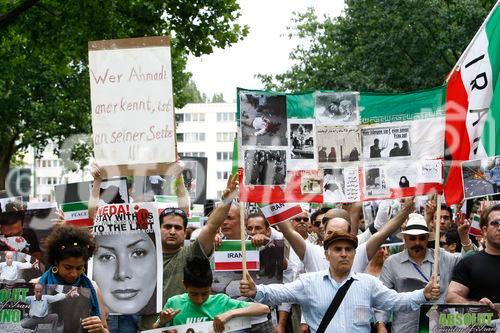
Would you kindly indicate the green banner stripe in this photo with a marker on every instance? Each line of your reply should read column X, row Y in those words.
column 235, row 245
column 74, row 206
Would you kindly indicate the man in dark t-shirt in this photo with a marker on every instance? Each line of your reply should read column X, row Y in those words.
column 475, row 278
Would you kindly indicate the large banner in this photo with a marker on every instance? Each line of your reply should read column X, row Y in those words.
column 339, row 147
column 132, row 108
column 127, row 264
column 456, row 318
column 240, row 324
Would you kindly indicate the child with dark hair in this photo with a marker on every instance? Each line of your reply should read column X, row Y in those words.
column 197, row 305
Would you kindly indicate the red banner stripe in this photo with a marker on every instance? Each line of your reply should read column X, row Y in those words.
column 236, row 266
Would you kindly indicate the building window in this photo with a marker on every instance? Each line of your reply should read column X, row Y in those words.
column 222, row 175
column 192, row 154
column 225, row 116
column 225, row 137
column 194, row 137
column 224, row 156
column 180, row 137
column 193, row 117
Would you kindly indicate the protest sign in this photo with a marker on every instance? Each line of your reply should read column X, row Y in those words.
column 133, row 129
column 458, row 318
column 127, row 264
column 341, row 185
column 301, row 154
column 481, row 177
column 280, row 212
column 6, row 201
column 228, row 256
column 235, row 324
column 18, row 267
column 65, row 307
column 270, row 260
column 338, row 145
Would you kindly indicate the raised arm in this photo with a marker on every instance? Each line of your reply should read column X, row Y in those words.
column 394, row 224
column 215, row 220
column 296, row 241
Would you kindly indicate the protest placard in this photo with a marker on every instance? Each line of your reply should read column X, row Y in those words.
column 481, row 177
column 5, row 201
column 127, row 264
column 302, row 152
column 62, row 308
column 341, row 185
column 239, row 324
column 280, row 212
column 458, row 318
column 228, row 256
column 338, row 145
column 133, row 129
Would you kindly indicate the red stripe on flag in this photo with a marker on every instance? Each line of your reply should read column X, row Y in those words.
column 457, row 147
column 475, row 232
column 236, row 266
column 283, row 216
column 81, row 222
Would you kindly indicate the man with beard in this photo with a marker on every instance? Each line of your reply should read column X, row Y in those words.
column 412, row 269
column 475, row 278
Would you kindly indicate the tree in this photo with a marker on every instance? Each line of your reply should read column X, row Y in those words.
column 377, row 45
column 218, row 98
column 44, row 83
column 193, row 94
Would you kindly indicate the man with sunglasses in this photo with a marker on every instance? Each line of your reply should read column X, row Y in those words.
column 412, row 269
column 475, row 278
column 317, row 224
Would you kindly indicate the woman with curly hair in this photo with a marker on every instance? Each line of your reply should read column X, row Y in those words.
column 68, row 250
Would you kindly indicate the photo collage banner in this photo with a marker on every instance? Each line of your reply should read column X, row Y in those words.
column 339, row 147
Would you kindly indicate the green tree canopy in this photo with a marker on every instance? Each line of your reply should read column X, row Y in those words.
column 44, row 83
column 217, row 98
column 378, row 45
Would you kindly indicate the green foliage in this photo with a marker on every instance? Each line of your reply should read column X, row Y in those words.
column 217, row 98
column 44, row 83
column 378, row 45
column 194, row 95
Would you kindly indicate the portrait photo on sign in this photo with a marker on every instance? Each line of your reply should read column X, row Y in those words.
column 263, row 119
column 386, row 142
column 301, row 154
column 113, row 191
column 336, row 108
column 45, row 308
column 401, row 174
column 127, row 262
column 341, row 185
column 338, row 144
column 18, row 267
column 481, row 177
column 265, row 167
column 311, row 182
column 375, row 181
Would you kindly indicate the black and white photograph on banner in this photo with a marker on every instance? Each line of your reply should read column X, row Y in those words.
column 386, row 142
column 265, row 167
column 375, row 181
column 401, row 174
column 302, row 153
column 127, row 264
column 44, row 308
column 429, row 171
column 336, row 108
column 338, row 144
column 341, row 185
column 6, row 202
column 113, row 191
column 311, row 182
column 18, row 267
column 263, row 119
column 271, row 266
column 481, row 177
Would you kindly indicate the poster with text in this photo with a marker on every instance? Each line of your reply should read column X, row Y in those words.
column 341, row 185
column 131, row 105
column 386, row 142
column 338, row 145
column 127, row 264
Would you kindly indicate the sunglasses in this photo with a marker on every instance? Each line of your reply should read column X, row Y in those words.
column 303, row 219
column 171, row 210
column 494, row 224
column 420, row 237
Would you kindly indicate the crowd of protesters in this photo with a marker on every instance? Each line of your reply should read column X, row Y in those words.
column 341, row 269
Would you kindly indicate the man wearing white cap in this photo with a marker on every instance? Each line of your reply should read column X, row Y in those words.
column 412, row 269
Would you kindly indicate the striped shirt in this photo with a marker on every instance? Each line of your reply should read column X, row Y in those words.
column 315, row 291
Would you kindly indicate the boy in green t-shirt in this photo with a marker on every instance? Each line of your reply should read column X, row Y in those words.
column 197, row 305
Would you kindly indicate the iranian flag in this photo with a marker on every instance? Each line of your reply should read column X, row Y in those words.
column 76, row 213
column 475, row 228
column 228, row 256
column 280, row 212
column 472, row 105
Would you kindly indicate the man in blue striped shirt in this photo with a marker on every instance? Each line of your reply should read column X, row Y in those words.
column 315, row 291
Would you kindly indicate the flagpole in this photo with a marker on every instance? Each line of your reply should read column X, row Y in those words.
column 243, row 241
column 462, row 56
column 436, row 237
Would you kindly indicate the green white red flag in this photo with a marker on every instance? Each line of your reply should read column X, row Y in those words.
column 280, row 212
column 76, row 213
column 228, row 256
column 473, row 105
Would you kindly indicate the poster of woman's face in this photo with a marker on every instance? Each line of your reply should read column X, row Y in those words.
column 337, row 108
column 263, row 119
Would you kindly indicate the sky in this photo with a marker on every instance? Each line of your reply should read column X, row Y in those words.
column 265, row 50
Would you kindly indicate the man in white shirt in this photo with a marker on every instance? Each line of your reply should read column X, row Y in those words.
column 39, row 308
column 10, row 268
